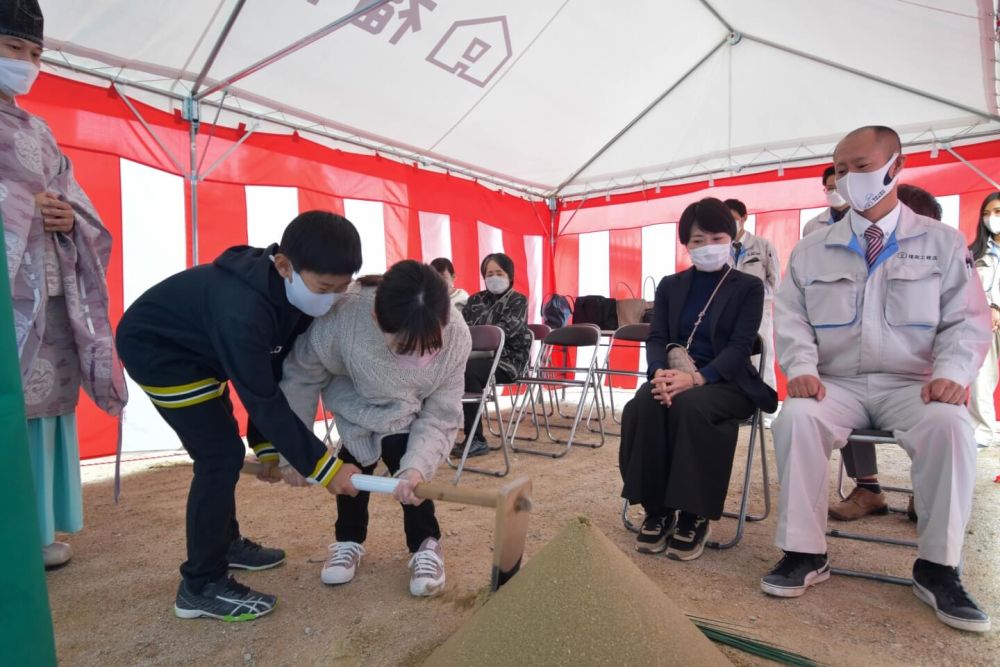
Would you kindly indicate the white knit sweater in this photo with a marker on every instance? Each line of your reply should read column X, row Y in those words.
column 344, row 357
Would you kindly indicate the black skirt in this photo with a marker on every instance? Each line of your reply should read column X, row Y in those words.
column 681, row 457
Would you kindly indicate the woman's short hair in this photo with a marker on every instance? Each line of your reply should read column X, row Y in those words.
column 412, row 304
column 502, row 260
column 322, row 242
column 736, row 206
column 444, row 265
column 711, row 216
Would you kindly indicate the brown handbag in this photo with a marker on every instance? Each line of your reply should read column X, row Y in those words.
column 630, row 311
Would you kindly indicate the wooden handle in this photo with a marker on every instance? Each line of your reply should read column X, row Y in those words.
column 456, row 494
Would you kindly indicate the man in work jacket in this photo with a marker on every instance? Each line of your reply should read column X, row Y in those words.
column 881, row 322
column 838, row 205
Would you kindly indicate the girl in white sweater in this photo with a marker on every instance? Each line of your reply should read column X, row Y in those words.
column 388, row 361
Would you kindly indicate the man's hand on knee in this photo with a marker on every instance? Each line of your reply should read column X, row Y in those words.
column 941, row 390
column 806, row 386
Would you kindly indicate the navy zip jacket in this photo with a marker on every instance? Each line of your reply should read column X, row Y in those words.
column 229, row 320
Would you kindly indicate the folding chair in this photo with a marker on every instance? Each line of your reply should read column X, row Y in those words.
column 874, row 437
column 488, row 341
column 633, row 335
column 538, row 333
column 743, row 515
column 546, row 375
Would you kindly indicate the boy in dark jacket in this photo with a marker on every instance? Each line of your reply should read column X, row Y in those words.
column 235, row 320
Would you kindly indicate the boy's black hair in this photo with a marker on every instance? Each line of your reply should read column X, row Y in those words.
column 711, row 216
column 919, row 201
column 411, row 303
column 828, row 172
column 322, row 242
column 736, row 205
column 503, row 261
column 444, row 265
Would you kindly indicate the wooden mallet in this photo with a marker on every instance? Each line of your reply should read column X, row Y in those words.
column 512, row 503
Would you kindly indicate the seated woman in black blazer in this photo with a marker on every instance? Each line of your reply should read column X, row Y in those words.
column 679, row 432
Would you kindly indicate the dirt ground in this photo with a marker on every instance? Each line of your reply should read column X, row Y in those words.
column 112, row 605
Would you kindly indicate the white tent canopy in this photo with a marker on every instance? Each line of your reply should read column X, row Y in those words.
column 558, row 97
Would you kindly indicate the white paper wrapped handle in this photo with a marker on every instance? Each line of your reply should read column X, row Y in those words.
column 374, row 484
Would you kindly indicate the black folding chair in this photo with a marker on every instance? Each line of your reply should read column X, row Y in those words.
column 538, row 333
column 488, row 341
column 743, row 515
column 547, row 376
column 873, row 437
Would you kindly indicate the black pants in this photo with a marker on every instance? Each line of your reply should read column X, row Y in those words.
column 681, row 457
column 419, row 521
column 211, row 435
column 477, row 373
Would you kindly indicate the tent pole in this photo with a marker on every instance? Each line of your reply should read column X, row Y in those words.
column 874, row 77
column 218, row 46
column 191, row 114
column 290, row 49
column 150, row 130
column 979, row 172
column 717, row 15
column 642, row 114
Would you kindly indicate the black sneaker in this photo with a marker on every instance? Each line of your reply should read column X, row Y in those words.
column 795, row 573
column 654, row 533
column 941, row 588
column 225, row 599
column 477, row 448
column 688, row 541
column 246, row 554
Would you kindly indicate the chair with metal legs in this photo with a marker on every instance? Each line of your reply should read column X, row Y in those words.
column 538, row 333
column 548, row 376
column 629, row 336
column 874, row 437
column 487, row 340
column 743, row 515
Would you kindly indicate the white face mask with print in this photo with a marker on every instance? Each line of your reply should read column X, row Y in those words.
column 497, row 284
column 835, row 199
column 992, row 223
column 711, row 257
column 865, row 189
column 310, row 303
column 16, row 76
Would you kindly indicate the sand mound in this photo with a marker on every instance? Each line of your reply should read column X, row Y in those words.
column 579, row 601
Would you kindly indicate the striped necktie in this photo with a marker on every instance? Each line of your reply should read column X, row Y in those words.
column 874, row 237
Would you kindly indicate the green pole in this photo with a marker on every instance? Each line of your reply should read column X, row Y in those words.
column 26, row 636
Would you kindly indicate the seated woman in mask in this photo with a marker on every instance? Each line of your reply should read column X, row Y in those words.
column 388, row 361
column 679, row 432
column 500, row 306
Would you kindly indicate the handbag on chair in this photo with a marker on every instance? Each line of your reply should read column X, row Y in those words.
column 678, row 356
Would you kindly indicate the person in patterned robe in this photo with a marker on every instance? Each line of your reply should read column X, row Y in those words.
column 57, row 253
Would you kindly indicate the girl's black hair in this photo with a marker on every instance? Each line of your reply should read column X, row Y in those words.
column 983, row 235
column 711, row 216
column 322, row 242
column 411, row 303
column 503, row 261
column 444, row 265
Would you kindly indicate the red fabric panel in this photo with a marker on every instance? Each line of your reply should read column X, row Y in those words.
column 310, row 200
column 513, row 247
column 781, row 228
column 99, row 176
column 399, row 233
column 465, row 252
column 625, row 266
column 222, row 218
column 567, row 279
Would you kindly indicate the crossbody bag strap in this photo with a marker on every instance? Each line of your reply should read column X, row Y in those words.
column 704, row 310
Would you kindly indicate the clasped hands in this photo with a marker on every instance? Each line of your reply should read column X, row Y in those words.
column 939, row 390
column 668, row 383
column 57, row 215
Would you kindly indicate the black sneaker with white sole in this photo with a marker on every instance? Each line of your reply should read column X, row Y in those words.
column 477, row 448
column 795, row 573
column 941, row 588
column 655, row 532
column 688, row 541
column 225, row 599
column 246, row 554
